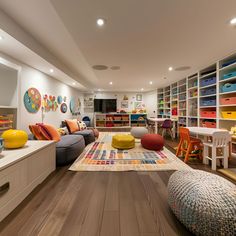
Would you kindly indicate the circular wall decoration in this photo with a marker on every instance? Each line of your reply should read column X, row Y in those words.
column 63, row 108
column 32, row 100
column 72, row 105
column 59, row 99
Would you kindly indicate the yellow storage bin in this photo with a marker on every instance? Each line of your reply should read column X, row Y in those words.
column 229, row 114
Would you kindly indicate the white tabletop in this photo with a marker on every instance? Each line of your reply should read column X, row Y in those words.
column 204, row 131
column 10, row 156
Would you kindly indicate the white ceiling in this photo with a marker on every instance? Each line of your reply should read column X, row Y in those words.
column 144, row 38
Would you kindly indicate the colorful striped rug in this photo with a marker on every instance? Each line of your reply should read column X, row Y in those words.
column 101, row 156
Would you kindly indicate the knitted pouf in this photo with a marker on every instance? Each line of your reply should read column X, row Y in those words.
column 138, row 132
column 205, row 203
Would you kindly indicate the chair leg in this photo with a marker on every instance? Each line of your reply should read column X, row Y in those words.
column 226, row 157
column 163, row 131
column 171, row 134
column 187, row 153
column 213, row 157
column 179, row 148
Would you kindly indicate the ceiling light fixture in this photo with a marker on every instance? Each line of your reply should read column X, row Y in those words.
column 111, row 83
column 170, row 68
column 150, row 82
column 99, row 90
column 1, row 37
column 100, row 22
column 233, row 21
column 142, row 89
column 74, row 83
column 51, row 70
column 164, row 78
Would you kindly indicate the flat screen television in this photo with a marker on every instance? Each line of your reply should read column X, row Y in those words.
column 105, row 105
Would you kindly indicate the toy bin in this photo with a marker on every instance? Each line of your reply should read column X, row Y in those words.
column 228, row 101
column 210, row 124
column 208, row 91
column 207, row 81
column 229, row 114
column 208, row 101
column 229, row 87
column 229, row 75
column 208, row 114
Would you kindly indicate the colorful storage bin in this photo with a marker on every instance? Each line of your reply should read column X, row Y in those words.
column 207, row 81
column 208, row 91
column 208, row 101
column 208, row 114
column 229, row 114
column 229, row 75
column 229, row 87
column 228, row 101
column 209, row 124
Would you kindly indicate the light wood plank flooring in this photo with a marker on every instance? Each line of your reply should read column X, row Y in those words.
column 96, row 203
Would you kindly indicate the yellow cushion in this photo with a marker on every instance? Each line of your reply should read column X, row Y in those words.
column 123, row 141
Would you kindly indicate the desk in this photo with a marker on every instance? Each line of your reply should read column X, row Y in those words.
column 158, row 120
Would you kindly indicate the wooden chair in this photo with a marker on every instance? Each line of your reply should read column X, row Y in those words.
column 191, row 147
column 219, row 140
column 150, row 125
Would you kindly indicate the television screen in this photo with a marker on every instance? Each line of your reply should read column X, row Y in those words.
column 105, row 105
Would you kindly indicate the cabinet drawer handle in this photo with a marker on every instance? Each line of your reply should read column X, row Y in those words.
column 4, row 188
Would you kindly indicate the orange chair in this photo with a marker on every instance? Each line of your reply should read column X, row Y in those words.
column 192, row 147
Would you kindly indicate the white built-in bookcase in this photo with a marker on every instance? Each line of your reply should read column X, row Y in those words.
column 194, row 102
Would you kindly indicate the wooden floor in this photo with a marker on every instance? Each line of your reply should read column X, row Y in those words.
column 96, row 203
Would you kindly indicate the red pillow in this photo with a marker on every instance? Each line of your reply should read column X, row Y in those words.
column 72, row 125
column 51, row 130
column 35, row 130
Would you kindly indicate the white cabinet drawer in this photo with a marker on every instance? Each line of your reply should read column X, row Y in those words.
column 12, row 181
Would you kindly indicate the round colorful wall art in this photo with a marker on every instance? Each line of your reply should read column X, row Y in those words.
column 63, row 108
column 32, row 100
column 72, row 105
column 59, row 99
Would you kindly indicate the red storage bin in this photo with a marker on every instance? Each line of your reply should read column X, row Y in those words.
column 228, row 101
column 209, row 124
column 208, row 114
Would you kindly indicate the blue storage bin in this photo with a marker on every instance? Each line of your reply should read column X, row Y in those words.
column 207, row 81
column 229, row 87
column 208, row 91
column 229, row 75
column 229, row 63
column 211, row 101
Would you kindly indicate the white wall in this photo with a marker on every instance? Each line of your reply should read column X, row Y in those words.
column 29, row 77
column 8, row 86
column 150, row 100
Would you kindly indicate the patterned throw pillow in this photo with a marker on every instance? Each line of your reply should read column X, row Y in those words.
column 82, row 125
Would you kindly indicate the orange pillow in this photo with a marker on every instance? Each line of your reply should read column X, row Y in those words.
column 72, row 126
column 35, row 130
column 50, row 130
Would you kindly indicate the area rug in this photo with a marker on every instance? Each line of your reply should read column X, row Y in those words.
column 231, row 173
column 101, row 156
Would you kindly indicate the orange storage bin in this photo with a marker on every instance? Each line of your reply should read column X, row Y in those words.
column 208, row 114
column 209, row 124
column 229, row 114
column 228, row 101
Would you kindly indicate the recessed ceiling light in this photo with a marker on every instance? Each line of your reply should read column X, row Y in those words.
column 74, row 83
column 115, row 67
column 1, row 37
column 233, row 21
column 100, row 22
column 111, row 83
column 142, row 89
column 150, row 82
column 164, row 78
column 170, row 68
column 99, row 89
column 51, row 70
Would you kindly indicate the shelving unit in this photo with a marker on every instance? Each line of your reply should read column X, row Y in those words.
column 120, row 120
column 160, row 103
column 206, row 98
column 8, row 117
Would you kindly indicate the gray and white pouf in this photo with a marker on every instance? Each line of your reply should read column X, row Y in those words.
column 138, row 132
column 205, row 203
